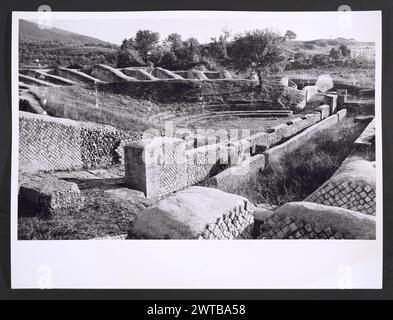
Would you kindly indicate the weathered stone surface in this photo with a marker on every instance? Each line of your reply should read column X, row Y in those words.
column 138, row 73
column 367, row 138
column 196, row 74
column 161, row 73
column 331, row 101
column 48, row 143
column 50, row 196
column 305, row 220
column 341, row 114
column 276, row 153
column 156, row 166
column 352, row 186
column 230, row 179
column 196, row 213
column 109, row 74
column 75, row 75
column 310, row 92
column 324, row 110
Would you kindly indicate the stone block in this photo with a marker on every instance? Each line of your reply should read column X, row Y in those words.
column 324, row 110
column 49, row 196
column 341, row 114
column 195, row 213
column 156, row 166
column 310, row 92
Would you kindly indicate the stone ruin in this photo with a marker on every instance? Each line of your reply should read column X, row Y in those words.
column 168, row 168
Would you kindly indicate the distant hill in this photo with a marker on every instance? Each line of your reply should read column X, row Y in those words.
column 61, row 48
column 325, row 45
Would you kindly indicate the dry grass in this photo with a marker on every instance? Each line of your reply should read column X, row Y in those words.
column 79, row 103
column 101, row 216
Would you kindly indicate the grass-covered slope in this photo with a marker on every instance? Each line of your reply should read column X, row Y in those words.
column 60, row 47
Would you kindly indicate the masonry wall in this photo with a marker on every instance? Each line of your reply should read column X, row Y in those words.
column 49, row 144
column 306, row 220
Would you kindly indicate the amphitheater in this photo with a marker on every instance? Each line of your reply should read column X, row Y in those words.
column 183, row 176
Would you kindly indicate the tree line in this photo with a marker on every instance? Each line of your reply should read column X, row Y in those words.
column 259, row 52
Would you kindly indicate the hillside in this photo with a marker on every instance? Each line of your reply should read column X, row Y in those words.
column 325, row 45
column 60, row 47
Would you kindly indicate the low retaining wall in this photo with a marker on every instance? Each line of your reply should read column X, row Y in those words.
column 48, row 143
column 306, row 220
column 196, row 213
column 276, row 153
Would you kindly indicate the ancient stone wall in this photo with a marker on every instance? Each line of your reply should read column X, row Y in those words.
column 48, row 143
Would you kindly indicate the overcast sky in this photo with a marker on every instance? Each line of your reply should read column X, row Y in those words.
column 206, row 24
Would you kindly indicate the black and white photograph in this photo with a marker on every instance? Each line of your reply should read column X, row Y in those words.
column 197, row 125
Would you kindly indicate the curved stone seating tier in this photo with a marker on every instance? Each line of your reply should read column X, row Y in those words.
column 109, row 74
column 35, row 82
column 44, row 76
column 75, row 75
column 139, row 74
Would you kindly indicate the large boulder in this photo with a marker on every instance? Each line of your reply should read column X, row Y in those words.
column 196, row 213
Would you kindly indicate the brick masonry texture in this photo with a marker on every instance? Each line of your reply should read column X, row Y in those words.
column 351, row 187
column 202, row 163
column 305, row 220
column 49, row 144
column 277, row 227
column 196, row 213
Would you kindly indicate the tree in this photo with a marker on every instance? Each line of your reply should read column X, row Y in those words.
column 345, row 51
column 128, row 56
column 290, row 35
column 260, row 51
column 146, row 41
column 335, row 54
column 174, row 41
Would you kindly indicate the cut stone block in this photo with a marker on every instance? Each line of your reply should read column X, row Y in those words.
column 50, row 196
column 331, row 101
column 196, row 213
column 156, row 166
column 324, row 110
